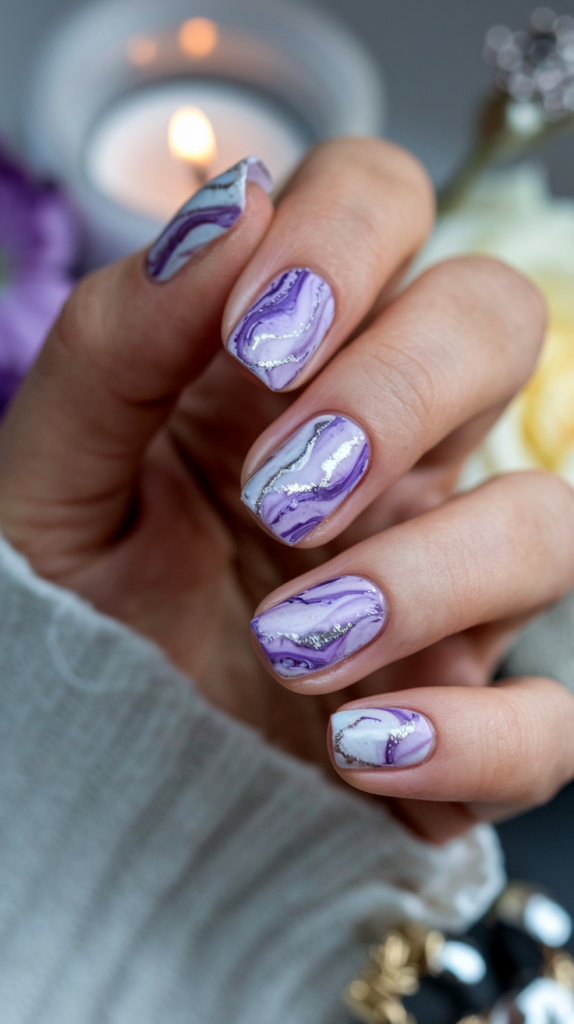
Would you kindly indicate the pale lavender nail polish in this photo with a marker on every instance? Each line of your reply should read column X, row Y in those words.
column 308, row 477
column 208, row 214
column 284, row 327
column 380, row 738
column 321, row 626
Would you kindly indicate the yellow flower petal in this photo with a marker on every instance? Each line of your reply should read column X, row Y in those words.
column 546, row 406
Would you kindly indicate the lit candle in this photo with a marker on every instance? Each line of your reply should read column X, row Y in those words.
column 191, row 138
column 152, row 149
column 134, row 104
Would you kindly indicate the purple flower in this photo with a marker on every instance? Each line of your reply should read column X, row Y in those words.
column 37, row 243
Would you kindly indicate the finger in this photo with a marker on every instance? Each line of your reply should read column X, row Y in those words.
column 355, row 212
column 469, row 658
column 503, row 550
column 457, row 344
column 434, row 821
column 430, row 483
column 511, row 744
column 110, row 373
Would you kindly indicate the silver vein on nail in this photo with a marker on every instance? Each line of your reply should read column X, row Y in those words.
column 308, row 476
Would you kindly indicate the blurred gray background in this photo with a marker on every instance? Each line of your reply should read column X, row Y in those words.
column 429, row 50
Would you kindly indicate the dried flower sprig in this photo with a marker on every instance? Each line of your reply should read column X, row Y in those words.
column 536, row 66
column 532, row 99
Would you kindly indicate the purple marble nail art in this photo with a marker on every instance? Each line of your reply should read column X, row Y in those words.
column 208, row 214
column 284, row 327
column 380, row 738
column 321, row 626
column 308, row 476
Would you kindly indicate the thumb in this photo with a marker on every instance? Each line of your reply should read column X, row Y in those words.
column 113, row 366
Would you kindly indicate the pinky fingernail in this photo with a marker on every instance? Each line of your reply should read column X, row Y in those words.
column 381, row 738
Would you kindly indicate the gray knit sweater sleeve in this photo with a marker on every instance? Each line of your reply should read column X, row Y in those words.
column 160, row 863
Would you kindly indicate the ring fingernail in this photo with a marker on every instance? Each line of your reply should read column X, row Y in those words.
column 284, row 327
column 308, row 477
column 381, row 738
column 321, row 626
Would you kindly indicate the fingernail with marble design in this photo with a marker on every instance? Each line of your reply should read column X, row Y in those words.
column 208, row 214
column 321, row 626
column 308, row 477
column 284, row 327
column 381, row 738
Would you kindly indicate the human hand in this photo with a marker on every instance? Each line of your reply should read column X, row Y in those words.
column 120, row 461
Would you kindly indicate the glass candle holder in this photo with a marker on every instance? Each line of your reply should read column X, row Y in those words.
column 119, row 84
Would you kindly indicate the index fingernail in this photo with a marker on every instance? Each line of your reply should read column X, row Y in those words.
column 381, row 738
column 208, row 214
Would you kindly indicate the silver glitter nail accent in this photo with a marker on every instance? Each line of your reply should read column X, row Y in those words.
column 271, row 363
column 318, row 641
column 294, row 334
column 297, row 463
column 404, row 731
column 329, row 465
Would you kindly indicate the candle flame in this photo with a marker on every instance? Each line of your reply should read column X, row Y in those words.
column 198, row 37
column 191, row 137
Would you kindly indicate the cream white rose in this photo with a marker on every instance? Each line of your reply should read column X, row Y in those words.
column 512, row 215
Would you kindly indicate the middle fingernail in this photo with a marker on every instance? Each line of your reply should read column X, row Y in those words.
column 308, row 476
column 284, row 327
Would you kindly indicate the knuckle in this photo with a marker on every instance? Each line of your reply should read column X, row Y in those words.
column 561, row 496
column 513, row 766
column 101, row 330
column 533, row 750
column 371, row 184
column 79, row 310
column 539, row 510
column 501, row 755
column 368, row 229
column 405, row 169
column 504, row 306
column 485, row 276
column 538, row 786
column 541, row 791
column 378, row 157
column 525, row 520
column 86, row 324
column 553, row 494
column 461, row 569
column 405, row 382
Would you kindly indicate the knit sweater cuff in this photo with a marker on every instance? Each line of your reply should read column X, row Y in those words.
column 160, row 861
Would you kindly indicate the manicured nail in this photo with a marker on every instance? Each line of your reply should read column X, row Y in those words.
column 308, row 476
column 321, row 626
column 380, row 738
column 208, row 214
column 284, row 327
